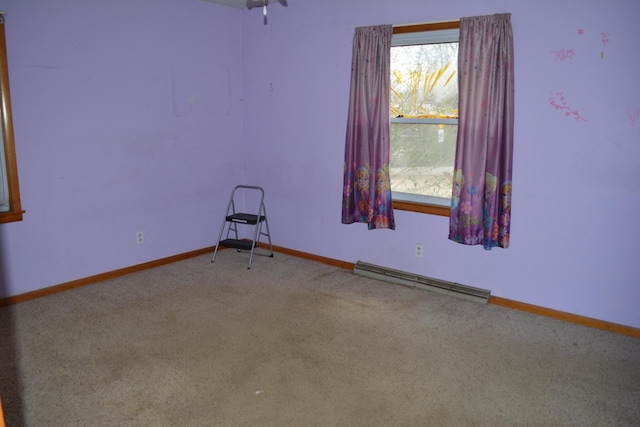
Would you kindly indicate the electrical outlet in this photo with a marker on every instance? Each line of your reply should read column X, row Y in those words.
column 139, row 237
column 419, row 250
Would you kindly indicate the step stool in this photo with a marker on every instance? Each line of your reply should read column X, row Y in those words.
column 234, row 219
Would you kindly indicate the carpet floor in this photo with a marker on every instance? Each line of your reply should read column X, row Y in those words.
column 293, row 342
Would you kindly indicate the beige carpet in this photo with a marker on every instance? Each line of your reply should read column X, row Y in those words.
column 293, row 342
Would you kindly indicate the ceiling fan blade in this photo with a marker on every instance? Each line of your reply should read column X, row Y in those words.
column 254, row 3
column 261, row 3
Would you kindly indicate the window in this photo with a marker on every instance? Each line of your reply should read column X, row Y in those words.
column 424, row 116
column 10, row 209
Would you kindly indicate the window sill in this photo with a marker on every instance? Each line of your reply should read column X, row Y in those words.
column 11, row 216
column 425, row 208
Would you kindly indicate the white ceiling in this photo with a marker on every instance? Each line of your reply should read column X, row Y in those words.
column 238, row 4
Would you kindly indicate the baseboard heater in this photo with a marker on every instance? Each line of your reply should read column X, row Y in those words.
column 421, row 282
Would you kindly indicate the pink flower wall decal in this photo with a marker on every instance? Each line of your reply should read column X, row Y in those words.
column 561, row 104
column 633, row 116
column 563, row 54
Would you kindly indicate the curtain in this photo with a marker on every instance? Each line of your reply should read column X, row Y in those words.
column 481, row 196
column 366, row 196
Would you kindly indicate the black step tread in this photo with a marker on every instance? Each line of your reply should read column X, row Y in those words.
column 237, row 244
column 245, row 218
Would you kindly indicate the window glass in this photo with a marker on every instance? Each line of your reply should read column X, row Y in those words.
column 422, row 159
column 424, row 116
column 4, row 187
column 424, row 81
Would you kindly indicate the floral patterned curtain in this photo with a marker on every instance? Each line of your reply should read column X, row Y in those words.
column 481, row 199
column 367, row 192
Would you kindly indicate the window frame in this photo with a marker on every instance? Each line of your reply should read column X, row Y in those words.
column 406, row 203
column 15, row 211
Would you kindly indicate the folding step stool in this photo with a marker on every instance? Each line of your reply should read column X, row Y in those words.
column 233, row 218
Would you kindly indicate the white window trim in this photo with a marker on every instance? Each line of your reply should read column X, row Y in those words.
column 425, row 37
column 419, row 198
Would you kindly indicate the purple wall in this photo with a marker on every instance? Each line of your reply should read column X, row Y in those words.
column 574, row 247
column 127, row 117
column 142, row 116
